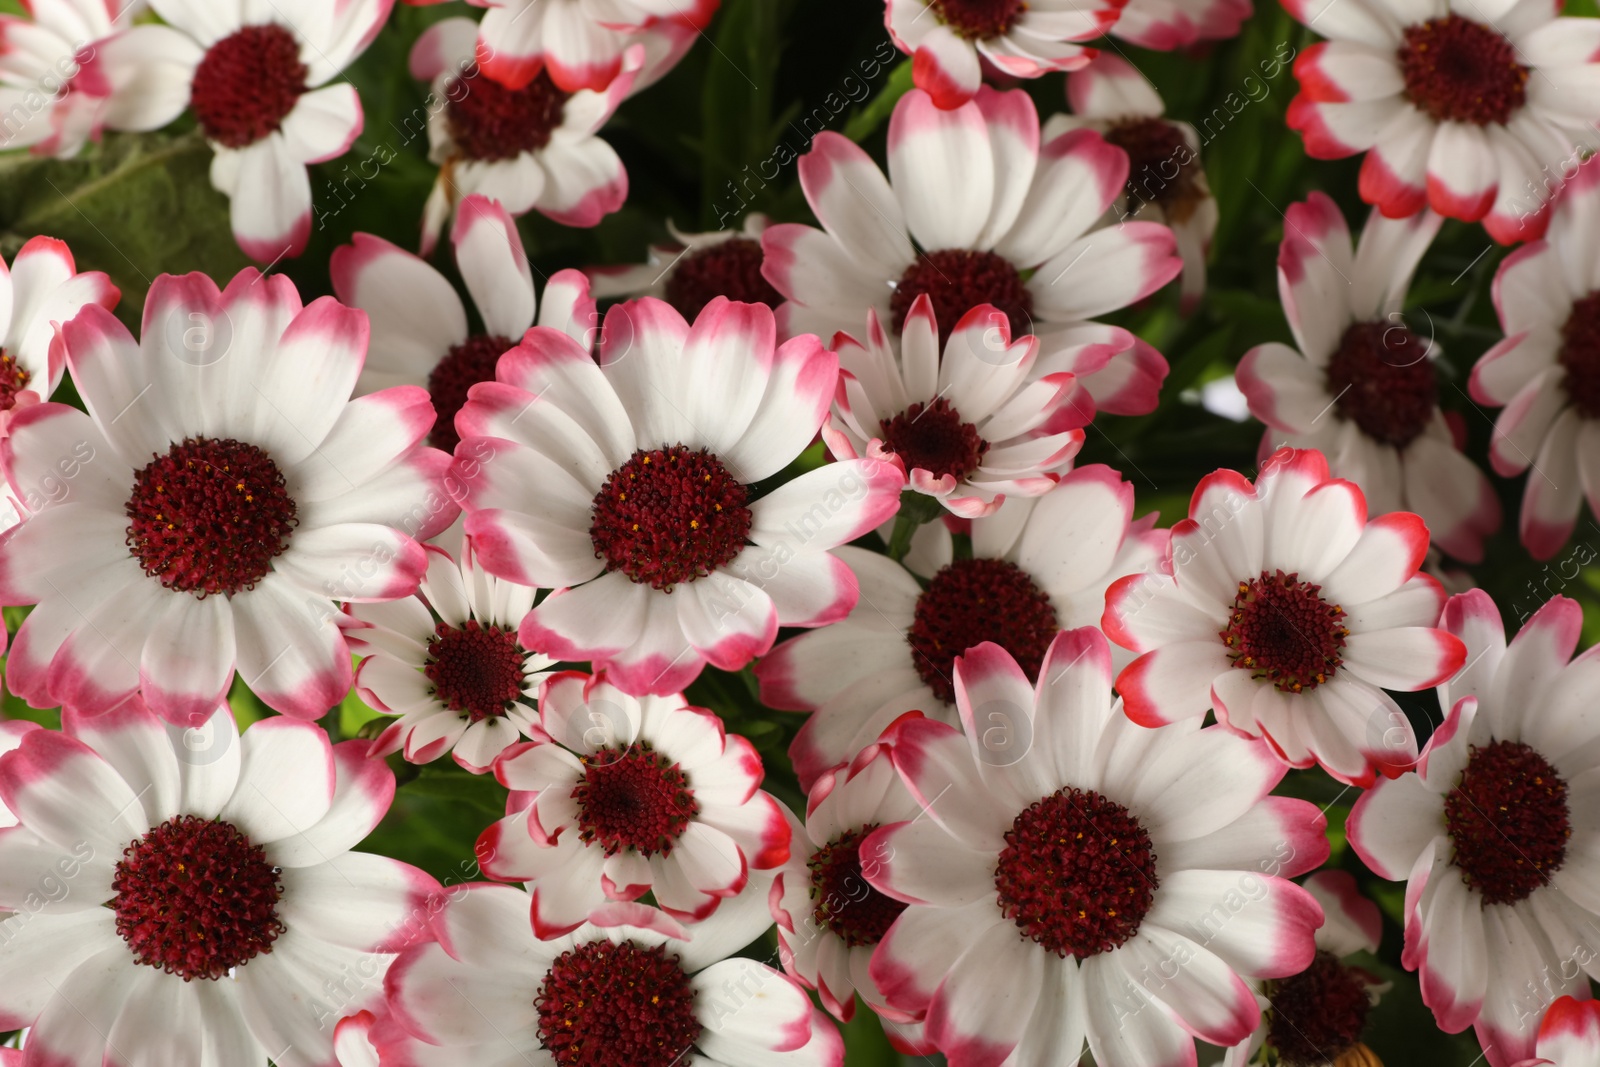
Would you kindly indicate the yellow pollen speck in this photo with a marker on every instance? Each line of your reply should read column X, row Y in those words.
column 694, row 524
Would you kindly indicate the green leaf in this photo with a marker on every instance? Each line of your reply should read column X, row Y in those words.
column 865, row 122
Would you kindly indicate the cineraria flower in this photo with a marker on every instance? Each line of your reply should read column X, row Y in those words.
column 1167, row 864
column 448, row 663
column 966, row 426
column 41, row 289
column 530, row 147
column 1037, row 566
column 1494, row 831
column 419, row 324
column 220, row 495
column 1456, row 110
column 573, row 476
column 1569, row 1035
column 1362, row 389
column 1166, row 182
column 257, row 83
column 997, row 219
column 204, row 904
column 1289, row 613
column 623, row 795
column 630, row 989
column 696, row 269
column 1547, row 370
column 1316, row 1017
column 1168, row 25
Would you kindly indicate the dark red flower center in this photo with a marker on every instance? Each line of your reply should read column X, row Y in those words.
column 475, row 670
column 209, row 516
column 633, row 798
column 1078, row 873
column 14, row 378
column 617, row 1005
column 730, row 268
column 1317, row 1015
column 465, row 365
column 195, row 898
column 1282, row 631
column 977, row 20
column 1509, row 821
column 1458, row 70
column 247, row 84
column 668, row 516
column 1384, row 382
column 1162, row 168
column 845, row 902
column 1580, row 355
column 972, row 601
column 490, row 122
column 932, row 437
column 958, row 280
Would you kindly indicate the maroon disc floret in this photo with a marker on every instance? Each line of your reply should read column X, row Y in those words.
column 633, row 797
column 490, row 122
column 1078, row 873
column 1384, row 382
column 465, row 365
column 14, row 378
column 1162, row 167
column 1281, row 630
column 247, row 84
column 1580, row 355
column 978, row 20
column 933, row 438
column 958, row 280
column 1509, row 821
column 196, row 899
column 845, row 901
column 210, row 516
column 972, row 601
column 605, row 1004
column 1319, row 1014
column 670, row 515
column 476, row 670
column 1458, row 70
column 730, row 268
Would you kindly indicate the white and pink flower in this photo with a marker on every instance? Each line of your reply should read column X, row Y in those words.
column 1038, row 566
column 1496, row 831
column 41, row 289
column 574, row 477
column 1458, row 107
column 1288, row 612
column 1362, row 388
column 1546, row 373
column 1164, row 861
column 1569, row 1035
column 625, row 795
column 695, row 269
column 1169, row 25
column 419, row 323
column 997, row 218
column 222, row 493
column 203, row 898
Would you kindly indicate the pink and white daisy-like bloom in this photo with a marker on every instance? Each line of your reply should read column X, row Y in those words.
column 41, row 289
column 256, row 78
column 1362, row 389
column 964, row 422
column 419, row 324
column 575, row 477
column 531, row 148
column 997, row 218
column 1167, row 865
column 1038, row 566
column 205, row 904
column 950, row 41
column 1546, row 373
column 222, row 493
column 696, row 269
column 630, row 989
column 447, row 661
column 1569, row 1035
column 1459, row 108
column 1168, row 25
column 1318, row 1015
column 625, row 795
column 1166, row 182
column 1288, row 612
column 1495, row 832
